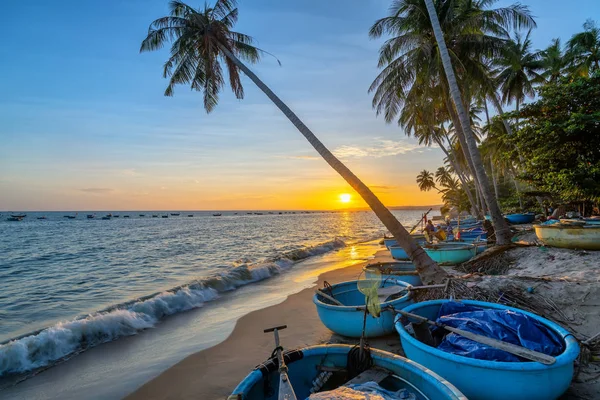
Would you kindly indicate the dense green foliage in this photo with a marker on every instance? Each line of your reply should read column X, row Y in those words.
column 560, row 139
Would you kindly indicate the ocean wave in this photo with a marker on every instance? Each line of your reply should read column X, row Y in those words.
column 51, row 345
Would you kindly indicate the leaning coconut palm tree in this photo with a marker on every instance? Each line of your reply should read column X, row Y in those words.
column 202, row 43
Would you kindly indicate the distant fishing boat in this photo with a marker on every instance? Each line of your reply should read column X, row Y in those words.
column 217, row 214
column 18, row 215
column 142, row 215
column 14, row 219
column 175, row 214
column 91, row 216
column 70, row 216
column 258, row 213
column 115, row 216
column 154, row 216
column 585, row 237
column 125, row 216
column 190, row 215
column 165, row 216
column 43, row 217
column 106, row 217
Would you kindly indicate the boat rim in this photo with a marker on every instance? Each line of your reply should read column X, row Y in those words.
column 256, row 375
column 361, row 307
column 570, row 353
column 449, row 246
column 565, row 226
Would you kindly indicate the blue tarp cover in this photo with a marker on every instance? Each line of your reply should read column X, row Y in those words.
column 505, row 325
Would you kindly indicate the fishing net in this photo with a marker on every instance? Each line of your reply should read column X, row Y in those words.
column 368, row 284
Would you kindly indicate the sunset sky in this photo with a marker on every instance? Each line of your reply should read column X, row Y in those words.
column 84, row 124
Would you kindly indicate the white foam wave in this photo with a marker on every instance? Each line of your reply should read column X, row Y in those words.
column 46, row 347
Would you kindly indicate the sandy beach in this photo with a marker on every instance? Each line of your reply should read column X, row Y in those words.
column 556, row 274
column 213, row 373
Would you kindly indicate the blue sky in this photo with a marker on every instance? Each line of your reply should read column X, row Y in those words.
column 84, row 123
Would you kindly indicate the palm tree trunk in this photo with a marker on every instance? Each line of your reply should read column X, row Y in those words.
column 494, row 180
column 518, row 191
column 517, row 119
column 500, row 111
column 503, row 235
column 428, row 270
column 463, row 146
column 454, row 164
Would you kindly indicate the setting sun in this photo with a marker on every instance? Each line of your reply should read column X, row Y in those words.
column 345, row 198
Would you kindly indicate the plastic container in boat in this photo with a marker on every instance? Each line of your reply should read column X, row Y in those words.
column 404, row 271
column 347, row 320
column 451, row 253
column 303, row 368
column 493, row 380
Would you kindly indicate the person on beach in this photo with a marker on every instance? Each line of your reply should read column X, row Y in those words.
column 431, row 231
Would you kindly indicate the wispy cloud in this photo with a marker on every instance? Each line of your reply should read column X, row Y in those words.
column 130, row 172
column 299, row 157
column 382, row 187
column 97, row 190
column 381, row 148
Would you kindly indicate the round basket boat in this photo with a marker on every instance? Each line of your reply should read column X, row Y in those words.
column 404, row 271
column 347, row 320
column 389, row 242
column 451, row 253
column 569, row 236
column 517, row 219
column 493, row 380
column 304, row 365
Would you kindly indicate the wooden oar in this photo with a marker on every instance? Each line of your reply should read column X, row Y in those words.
column 328, row 297
column 498, row 344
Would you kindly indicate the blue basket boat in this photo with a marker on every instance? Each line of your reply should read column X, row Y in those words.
column 305, row 365
column 404, row 271
column 517, row 219
column 493, row 380
column 347, row 320
column 448, row 253
column 389, row 242
column 398, row 253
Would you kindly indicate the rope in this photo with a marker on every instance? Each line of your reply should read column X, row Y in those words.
column 359, row 357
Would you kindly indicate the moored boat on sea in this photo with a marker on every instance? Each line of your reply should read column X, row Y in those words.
column 217, row 214
column 325, row 367
column 18, row 215
column 585, row 237
column 14, row 219
column 404, row 271
column 347, row 319
column 493, row 380
column 449, row 253
column 516, row 219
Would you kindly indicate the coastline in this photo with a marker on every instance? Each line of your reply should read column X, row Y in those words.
column 213, row 373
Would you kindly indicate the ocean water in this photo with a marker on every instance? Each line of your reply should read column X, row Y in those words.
column 70, row 285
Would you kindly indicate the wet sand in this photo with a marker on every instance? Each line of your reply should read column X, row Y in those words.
column 214, row 373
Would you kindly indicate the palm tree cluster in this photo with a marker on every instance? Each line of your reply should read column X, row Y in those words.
column 444, row 61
